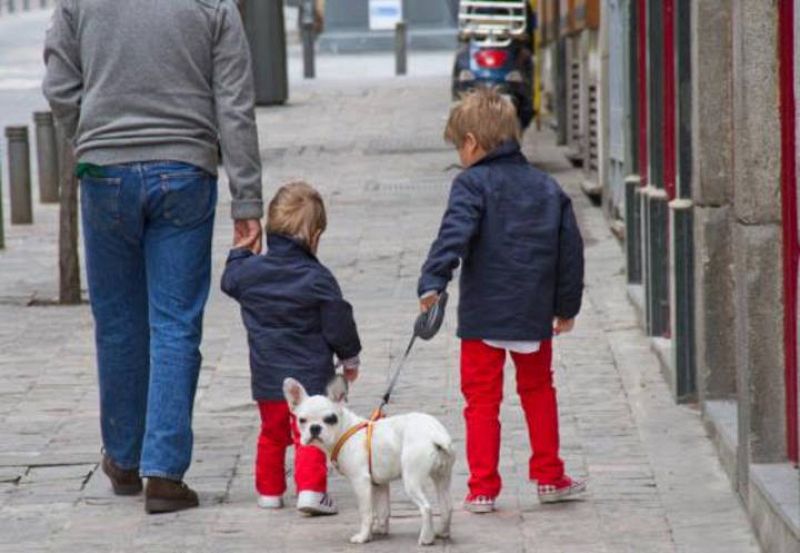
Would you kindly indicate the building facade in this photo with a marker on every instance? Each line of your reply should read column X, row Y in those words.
column 698, row 168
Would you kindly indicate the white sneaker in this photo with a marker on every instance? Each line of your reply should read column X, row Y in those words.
column 316, row 504
column 270, row 501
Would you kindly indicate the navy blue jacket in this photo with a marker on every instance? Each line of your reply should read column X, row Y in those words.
column 514, row 230
column 294, row 313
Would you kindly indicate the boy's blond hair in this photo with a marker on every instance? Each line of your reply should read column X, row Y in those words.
column 485, row 113
column 297, row 210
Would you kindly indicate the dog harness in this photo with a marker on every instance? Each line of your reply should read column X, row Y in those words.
column 352, row 431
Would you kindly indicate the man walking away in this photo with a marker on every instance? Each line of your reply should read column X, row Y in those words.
column 147, row 89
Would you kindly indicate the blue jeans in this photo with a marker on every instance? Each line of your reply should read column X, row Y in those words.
column 147, row 230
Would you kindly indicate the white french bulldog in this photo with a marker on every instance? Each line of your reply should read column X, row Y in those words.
column 414, row 447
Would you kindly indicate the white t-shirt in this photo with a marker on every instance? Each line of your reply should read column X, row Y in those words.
column 516, row 346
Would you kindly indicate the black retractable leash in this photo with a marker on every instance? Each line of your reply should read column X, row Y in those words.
column 426, row 326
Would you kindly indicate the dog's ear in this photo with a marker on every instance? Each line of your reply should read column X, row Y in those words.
column 294, row 392
column 337, row 389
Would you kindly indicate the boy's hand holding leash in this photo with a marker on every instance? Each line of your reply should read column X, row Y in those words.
column 427, row 301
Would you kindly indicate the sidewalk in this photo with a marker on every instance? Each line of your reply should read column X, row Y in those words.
column 374, row 149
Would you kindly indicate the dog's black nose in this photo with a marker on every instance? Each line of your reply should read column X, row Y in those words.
column 315, row 429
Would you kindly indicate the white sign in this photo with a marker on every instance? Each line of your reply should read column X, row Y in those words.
column 384, row 14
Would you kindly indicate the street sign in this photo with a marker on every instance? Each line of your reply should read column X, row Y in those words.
column 384, row 14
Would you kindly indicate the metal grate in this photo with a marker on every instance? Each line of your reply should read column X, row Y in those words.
column 593, row 142
column 575, row 101
column 440, row 185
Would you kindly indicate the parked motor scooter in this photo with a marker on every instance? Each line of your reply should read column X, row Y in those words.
column 494, row 50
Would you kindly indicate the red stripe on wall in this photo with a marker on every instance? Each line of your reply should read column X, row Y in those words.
column 642, row 59
column 789, row 213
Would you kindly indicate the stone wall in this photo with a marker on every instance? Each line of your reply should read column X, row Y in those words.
column 712, row 194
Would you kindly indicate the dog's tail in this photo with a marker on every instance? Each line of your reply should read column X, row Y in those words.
column 444, row 451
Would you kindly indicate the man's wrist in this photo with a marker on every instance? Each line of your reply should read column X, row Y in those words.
column 242, row 210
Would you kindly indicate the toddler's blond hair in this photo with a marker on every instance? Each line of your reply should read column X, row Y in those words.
column 297, row 210
column 485, row 113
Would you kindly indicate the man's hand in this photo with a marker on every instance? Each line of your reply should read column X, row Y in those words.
column 427, row 301
column 351, row 375
column 562, row 326
column 247, row 234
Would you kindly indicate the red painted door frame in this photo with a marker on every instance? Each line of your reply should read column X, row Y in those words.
column 791, row 248
column 641, row 53
column 669, row 146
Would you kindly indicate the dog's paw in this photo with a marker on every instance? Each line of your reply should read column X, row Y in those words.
column 380, row 528
column 443, row 534
column 427, row 540
column 361, row 537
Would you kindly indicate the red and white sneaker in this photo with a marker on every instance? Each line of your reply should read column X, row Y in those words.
column 561, row 490
column 316, row 504
column 479, row 504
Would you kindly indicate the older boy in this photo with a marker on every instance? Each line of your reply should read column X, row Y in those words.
column 513, row 229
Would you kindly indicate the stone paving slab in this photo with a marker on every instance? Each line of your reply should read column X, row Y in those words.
column 373, row 148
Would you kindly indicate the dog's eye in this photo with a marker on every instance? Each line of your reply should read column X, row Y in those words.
column 330, row 419
column 301, row 421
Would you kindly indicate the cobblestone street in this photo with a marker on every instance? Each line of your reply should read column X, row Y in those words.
column 374, row 148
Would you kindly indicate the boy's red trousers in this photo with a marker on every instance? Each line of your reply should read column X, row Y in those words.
column 482, row 386
column 279, row 431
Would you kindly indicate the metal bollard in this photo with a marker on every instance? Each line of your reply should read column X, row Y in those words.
column 19, row 171
column 12, row 6
column 307, row 31
column 26, row 5
column 400, row 48
column 47, row 157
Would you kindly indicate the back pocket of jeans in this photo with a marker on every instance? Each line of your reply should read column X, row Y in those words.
column 100, row 201
column 189, row 196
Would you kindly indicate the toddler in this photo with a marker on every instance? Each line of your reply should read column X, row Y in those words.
column 296, row 322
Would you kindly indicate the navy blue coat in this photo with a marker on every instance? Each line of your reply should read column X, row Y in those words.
column 514, row 230
column 295, row 316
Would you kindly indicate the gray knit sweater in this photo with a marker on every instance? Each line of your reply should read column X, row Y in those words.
column 146, row 80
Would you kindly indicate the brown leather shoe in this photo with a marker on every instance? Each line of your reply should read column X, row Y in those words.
column 124, row 482
column 166, row 496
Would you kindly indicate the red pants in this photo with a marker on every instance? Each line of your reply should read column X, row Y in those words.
column 279, row 431
column 482, row 386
